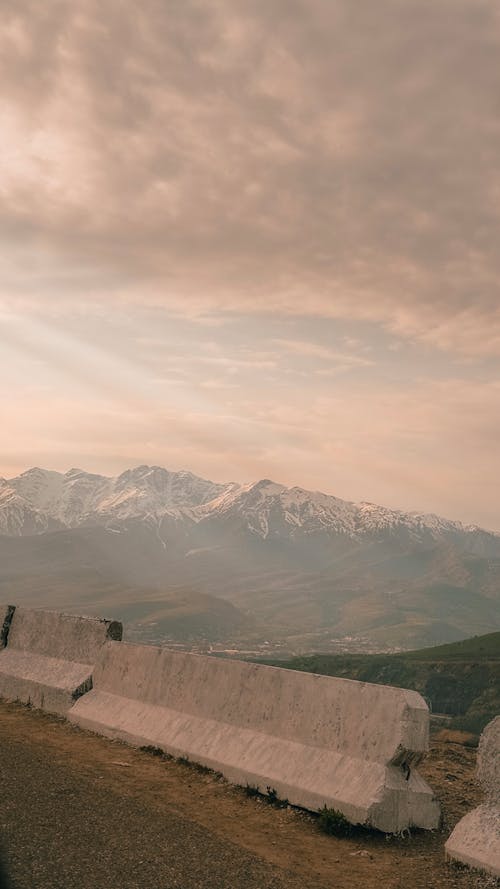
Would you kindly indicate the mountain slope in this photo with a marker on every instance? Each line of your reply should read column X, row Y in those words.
column 310, row 566
column 79, row 497
column 265, row 509
column 100, row 572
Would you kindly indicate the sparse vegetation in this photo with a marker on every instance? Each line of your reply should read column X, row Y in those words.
column 182, row 760
column 274, row 799
column 334, row 823
column 154, row 751
column 270, row 796
column 196, row 766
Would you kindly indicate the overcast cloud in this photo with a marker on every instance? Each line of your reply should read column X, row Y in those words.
column 258, row 238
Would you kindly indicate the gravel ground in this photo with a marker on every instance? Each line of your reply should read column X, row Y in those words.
column 79, row 810
column 60, row 830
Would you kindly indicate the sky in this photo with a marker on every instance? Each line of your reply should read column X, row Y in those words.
column 255, row 239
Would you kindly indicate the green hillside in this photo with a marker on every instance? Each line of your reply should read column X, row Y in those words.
column 461, row 679
column 482, row 647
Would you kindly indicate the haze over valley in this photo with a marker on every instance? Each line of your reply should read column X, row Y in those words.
column 254, row 567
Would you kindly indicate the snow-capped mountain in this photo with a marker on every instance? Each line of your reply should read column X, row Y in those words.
column 19, row 517
column 272, row 510
column 298, row 560
column 40, row 500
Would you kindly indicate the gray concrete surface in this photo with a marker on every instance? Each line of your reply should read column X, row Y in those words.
column 316, row 740
column 49, row 657
column 475, row 840
column 488, row 761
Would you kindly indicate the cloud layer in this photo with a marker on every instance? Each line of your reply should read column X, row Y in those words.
column 328, row 165
column 327, row 157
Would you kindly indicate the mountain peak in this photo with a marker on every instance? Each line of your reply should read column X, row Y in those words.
column 38, row 472
column 266, row 508
column 267, row 484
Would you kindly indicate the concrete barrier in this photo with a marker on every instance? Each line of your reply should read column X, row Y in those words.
column 49, row 657
column 316, row 740
column 476, row 838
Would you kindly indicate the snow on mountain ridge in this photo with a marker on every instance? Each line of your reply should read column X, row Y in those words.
column 18, row 517
column 40, row 487
column 374, row 516
column 270, row 508
column 78, row 497
column 41, row 500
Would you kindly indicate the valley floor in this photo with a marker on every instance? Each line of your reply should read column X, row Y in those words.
column 77, row 810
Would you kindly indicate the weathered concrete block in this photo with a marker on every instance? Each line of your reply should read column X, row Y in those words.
column 476, row 838
column 49, row 657
column 488, row 761
column 316, row 740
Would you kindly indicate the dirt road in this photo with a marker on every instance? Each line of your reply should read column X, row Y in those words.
column 81, row 812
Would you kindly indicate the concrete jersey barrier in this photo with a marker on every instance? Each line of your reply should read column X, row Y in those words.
column 48, row 657
column 476, row 838
column 316, row 740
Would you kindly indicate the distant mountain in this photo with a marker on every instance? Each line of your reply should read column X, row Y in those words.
column 306, row 565
column 39, row 500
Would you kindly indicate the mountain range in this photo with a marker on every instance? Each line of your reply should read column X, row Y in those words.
column 262, row 559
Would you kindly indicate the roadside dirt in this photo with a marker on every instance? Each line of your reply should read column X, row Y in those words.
column 287, row 839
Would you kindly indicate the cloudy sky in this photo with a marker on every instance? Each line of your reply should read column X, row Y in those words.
column 255, row 238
